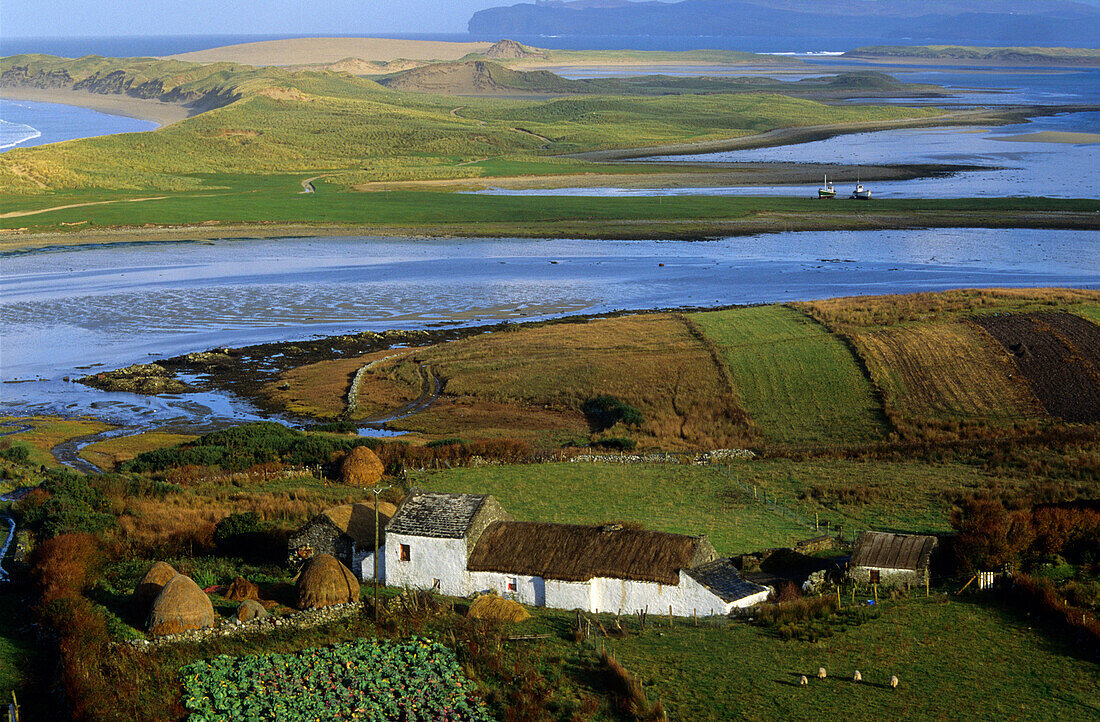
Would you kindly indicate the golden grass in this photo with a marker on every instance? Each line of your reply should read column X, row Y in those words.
column 946, row 370
column 110, row 453
column 652, row 362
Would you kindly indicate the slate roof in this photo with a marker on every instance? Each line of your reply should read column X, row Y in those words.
column 722, row 578
column 892, row 551
column 431, row 514
column 575, row 553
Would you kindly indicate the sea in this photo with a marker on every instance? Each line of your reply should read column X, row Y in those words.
column 24, row 124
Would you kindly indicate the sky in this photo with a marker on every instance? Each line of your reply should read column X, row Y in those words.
column 83, row 18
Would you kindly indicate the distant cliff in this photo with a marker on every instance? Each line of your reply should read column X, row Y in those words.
column 1013, row 22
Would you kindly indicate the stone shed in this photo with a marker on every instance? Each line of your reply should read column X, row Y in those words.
column 346, row 532
column 892, row 560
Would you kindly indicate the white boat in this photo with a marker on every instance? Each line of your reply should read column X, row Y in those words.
column 827, row 191
column 861, row 193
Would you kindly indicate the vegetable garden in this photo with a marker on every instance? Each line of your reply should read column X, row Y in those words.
column 414, row 680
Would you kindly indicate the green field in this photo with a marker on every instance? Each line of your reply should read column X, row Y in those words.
column 672, row 498
column 956, row 660
column 800, row 383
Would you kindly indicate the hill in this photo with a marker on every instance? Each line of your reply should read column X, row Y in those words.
column 303, row 51
column 992, row 56
column 479, row 77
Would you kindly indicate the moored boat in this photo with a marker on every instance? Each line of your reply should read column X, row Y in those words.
column 826, row 191
column 861, row 193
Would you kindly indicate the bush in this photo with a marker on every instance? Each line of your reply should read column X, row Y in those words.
column 336, row 427
column 244, row 534
column 616, row 443
column 605, row 411
column 18, row 453
column 445, row 442
column 67, row 502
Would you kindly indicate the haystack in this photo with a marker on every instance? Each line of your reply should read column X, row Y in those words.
column 361, row 467
column 250, row 609
column 242, row 589
column 149, row 587
column 324, row 581
column 180, row 606
column 490, row 606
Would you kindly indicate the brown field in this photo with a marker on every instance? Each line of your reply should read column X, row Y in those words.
column 888, row 310
column 540, row 376
column 320, row 390
column 1059, row 354
column 108, row 454
column 946, row 370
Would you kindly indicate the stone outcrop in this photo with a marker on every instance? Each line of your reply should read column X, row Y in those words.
column 149, row 379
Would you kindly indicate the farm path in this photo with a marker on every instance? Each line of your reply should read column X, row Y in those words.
column 431, row 386
column 20, row 214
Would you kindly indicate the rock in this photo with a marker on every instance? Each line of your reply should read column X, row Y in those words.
column 250, row 609
column 815, row 583
column 242, row 589
column 148, row 379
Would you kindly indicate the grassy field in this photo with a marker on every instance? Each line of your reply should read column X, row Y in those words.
column 47, row 432
column 956, row 660
column 800, row 383
column 675, row 498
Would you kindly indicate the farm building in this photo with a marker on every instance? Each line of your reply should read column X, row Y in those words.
column 893, row 560
column 462, row 544
column 346, row 532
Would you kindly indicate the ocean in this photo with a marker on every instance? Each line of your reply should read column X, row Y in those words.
column 23, row 123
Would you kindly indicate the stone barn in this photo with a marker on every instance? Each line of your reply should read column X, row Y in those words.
column 891, row 560
column 346, row 532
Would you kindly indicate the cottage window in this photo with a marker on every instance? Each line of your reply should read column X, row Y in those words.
column 405, row 553
column 874, row 576
column 513, row 584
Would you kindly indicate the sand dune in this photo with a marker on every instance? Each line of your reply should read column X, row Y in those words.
column 306, row 51
column 1051, row 136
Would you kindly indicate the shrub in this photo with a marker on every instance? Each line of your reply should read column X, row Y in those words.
column 617, row 443
column 605, row 411
column 336, row 427
column 18, row 453
column 445, row 442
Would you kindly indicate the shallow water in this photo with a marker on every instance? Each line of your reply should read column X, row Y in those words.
column 29, row 123
column 68, row 312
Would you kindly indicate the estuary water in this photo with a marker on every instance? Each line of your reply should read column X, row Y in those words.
column 24, row 123
column 70, row 311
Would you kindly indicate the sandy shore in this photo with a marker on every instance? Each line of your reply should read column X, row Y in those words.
column 151, row 110
column 1051, row 136
column 305, row 51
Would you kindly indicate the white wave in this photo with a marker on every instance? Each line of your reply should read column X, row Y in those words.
column 12, row 134
column 810, row 53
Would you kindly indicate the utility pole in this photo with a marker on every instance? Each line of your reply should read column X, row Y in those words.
column 376, row 490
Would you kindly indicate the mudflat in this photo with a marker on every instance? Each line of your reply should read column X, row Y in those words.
column 303, row 51
column 1051, row 136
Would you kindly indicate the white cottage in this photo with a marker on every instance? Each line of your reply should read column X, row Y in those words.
column 461, row 544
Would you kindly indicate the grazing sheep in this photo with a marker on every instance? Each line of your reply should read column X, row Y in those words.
column 857, row 677
column 821, row 673
column 893, row 681
column 803, row 681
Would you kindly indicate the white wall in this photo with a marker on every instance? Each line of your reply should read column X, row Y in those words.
column 429, row 559
column 363, row 565
column 686, row 598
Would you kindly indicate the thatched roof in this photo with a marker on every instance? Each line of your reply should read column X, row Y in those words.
column 892, row 551
column 722, row 578
column 490, row 606
column 574, row 553
column 362, row 467
column 324, row 581
column 180, row 606
column 150, row 585
column 447, row 516
column 357, row 520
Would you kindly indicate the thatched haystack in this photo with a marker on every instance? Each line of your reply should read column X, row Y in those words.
column 242, row 589
column 361, row 467
column 324, row 581
column 180, row 606
column 250, row 609
column 490, row 606
column 149, row 587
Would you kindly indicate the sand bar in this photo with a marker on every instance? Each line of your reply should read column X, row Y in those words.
column 1051, row 136
column 151, row 110
column 305, row 51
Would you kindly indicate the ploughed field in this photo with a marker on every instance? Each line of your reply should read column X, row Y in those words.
column 918, row 368
column 1059, row 355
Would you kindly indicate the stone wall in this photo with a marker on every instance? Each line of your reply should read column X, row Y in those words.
column 319, row 536
column 889, row 577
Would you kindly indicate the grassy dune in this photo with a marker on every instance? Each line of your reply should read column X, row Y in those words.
column 275, row 121
column 799, row 382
